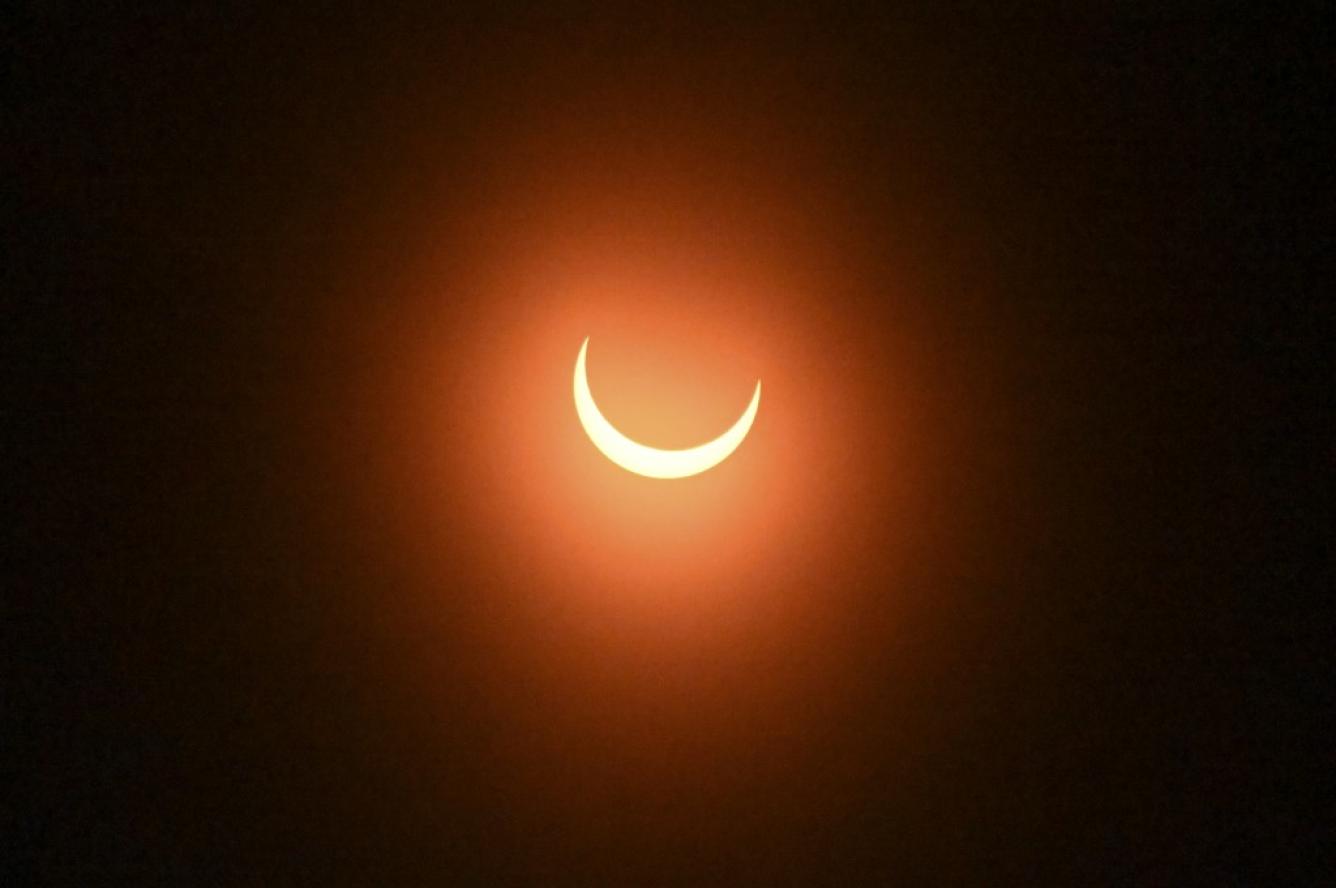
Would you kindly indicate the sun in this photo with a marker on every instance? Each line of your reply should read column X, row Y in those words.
column 653, row 462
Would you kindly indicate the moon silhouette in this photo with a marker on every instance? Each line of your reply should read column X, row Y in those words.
column 653, row 462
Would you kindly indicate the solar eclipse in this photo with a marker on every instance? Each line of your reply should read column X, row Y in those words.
column 654, row 462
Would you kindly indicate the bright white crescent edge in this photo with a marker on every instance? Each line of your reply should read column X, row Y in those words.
column 651, row 461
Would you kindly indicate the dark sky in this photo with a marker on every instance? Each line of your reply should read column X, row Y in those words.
column 1109, row 678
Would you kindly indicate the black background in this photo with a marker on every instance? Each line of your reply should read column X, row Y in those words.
column 184, row 704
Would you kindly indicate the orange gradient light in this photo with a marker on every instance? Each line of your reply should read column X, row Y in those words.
column 631, row 635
